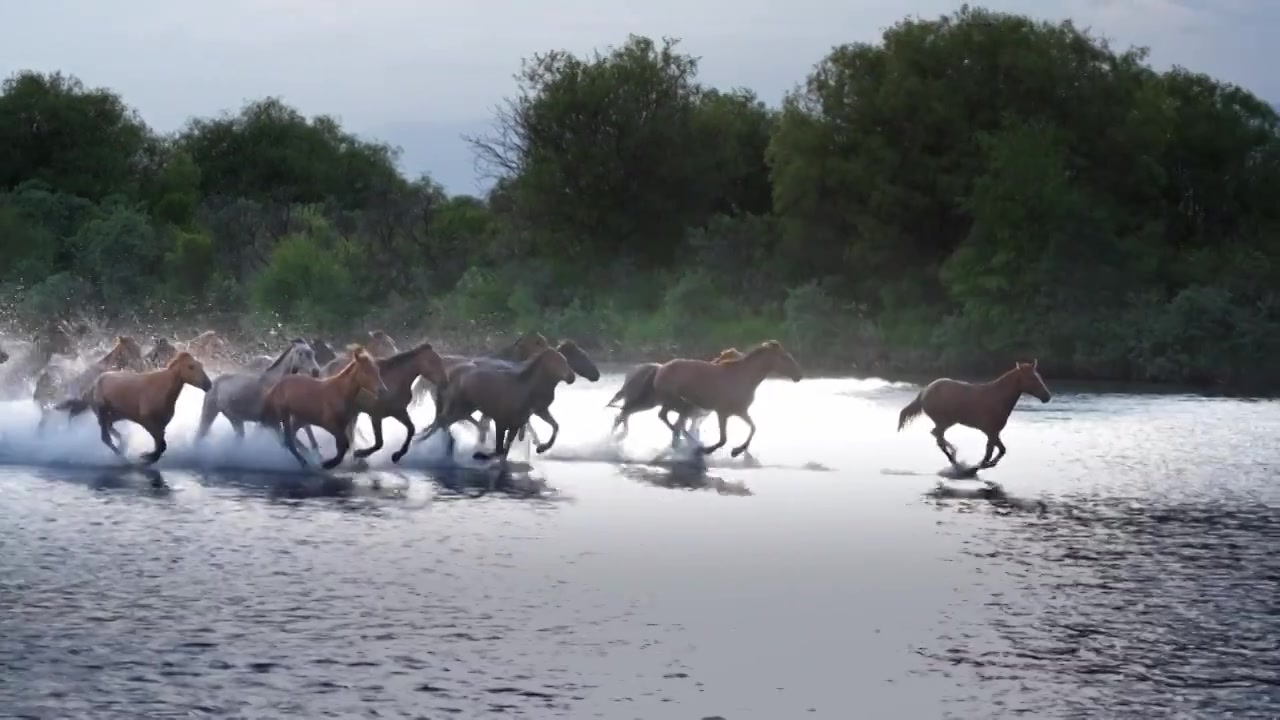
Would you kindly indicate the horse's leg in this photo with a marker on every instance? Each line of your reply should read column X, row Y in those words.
column 500, row 434
column 340, row 439
column 545, row 414
column 157, row 435
column 746, row 443
column 403, row 417
column 621, row 421
column 208, row 414
column 947, row 448
column 377, row 436
column 993, row 443
column 104, row 424
column 724, row 435
column 675, row 427
column 287, row 431
column 238, row 427
column 311, row 437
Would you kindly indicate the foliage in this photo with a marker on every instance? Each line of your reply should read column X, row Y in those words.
column 972, row 188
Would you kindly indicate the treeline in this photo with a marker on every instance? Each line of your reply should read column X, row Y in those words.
column 971, row 190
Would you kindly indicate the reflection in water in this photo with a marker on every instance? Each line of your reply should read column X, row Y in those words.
column 1124, row 565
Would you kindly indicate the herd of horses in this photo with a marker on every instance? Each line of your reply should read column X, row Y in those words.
column 309, row 385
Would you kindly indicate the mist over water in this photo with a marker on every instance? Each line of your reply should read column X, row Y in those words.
column 1132, row 572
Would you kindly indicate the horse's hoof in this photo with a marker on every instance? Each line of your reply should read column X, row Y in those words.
column 480, row 456
column 395, row 456
column 542, row 448
column 736, row 452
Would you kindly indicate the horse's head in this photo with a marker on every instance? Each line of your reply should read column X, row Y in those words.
column 125, row 355
column 553, row 364
column 1030, row 382
column 530, row 344
column 189, row 370
column 429, row 364
column 162, row 351
column 728, row 354
column 381, row 345
column 780, row 361
column 301, row 359
column 364, row 372
column 324, row 353
column 578, row 360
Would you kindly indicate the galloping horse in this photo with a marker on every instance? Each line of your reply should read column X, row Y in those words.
column 398, row 373
column 727, row 388
column 124, row 355
column 380, row 346
column 982, row 406
column 239, row 396
column 147, row 399
column 581, row 365
column 637, row 394
column 331, row 403
column 507, row 394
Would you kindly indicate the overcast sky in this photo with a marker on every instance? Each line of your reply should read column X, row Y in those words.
column 419, row 72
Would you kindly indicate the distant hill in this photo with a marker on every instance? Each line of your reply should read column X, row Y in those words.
column 437, row 149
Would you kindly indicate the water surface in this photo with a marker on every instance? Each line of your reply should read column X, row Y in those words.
column 1133, row 572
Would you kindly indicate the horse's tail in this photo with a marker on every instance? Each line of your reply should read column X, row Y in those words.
column 911, row 411
column 74, row 406
column 636, row 388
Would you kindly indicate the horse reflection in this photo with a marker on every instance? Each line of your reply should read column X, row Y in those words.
column 989, row 491
column 123, row 478
column 466, row 482
column 685, row 476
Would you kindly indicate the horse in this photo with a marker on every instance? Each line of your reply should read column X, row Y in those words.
column 161, row 352
column 324, row 353
column 727, row 388
column 524, row 347
column 581, row 365
column 507, row 394
column 208, row 345
column 398, row 373
column 146, row 398
column 637, row 394
column 126, row 354
column 380, row 346
column 982, row 406
column 330, row 403
column 239, row 396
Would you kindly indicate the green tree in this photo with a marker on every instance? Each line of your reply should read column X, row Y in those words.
column 81, row 141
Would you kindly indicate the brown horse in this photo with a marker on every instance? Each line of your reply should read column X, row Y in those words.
column 398, row 373
column 637, row 394
column 524, row 347
column 147, row 399
column 126, row 354
column 727, row 388
column 982, row 406
column 507, row 394
column 332, row 403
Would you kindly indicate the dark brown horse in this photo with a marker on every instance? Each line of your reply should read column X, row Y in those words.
column 524, row 347
column 508, row 394
column 147, row 399
column 982, row 406
column 726, row 388
column 637, row 394
column 545, row 395
column 331, row 403
column 161, row 352
column 398, row 373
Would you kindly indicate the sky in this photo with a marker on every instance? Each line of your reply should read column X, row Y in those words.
column 420, row 73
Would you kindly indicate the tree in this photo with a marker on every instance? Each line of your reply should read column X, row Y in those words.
column 80, row 141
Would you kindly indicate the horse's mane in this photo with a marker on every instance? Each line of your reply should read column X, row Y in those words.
column 762, row 348
column 355, row 350
column 404, row 356
column 532, row 363
column 280, row 359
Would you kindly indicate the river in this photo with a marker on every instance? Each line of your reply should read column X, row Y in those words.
column 1134, row 571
